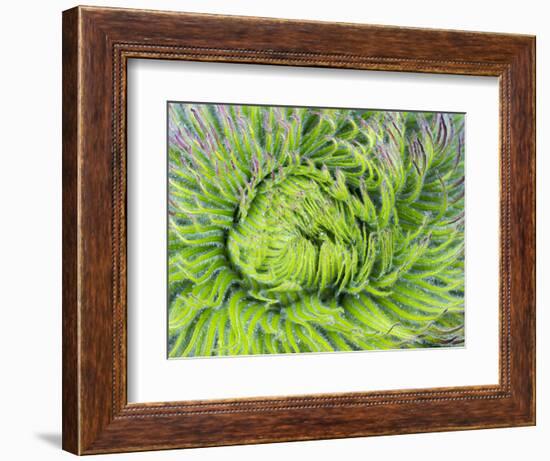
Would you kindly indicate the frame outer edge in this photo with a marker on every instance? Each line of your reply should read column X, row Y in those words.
column 533, row 140
column 70, row 215
column 527, row 61
column 522, row 191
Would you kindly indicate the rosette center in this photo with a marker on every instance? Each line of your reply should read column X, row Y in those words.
column 299, row 234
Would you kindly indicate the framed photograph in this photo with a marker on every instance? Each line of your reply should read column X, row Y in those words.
column 282, row 230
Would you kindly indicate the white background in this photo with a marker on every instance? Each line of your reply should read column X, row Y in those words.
column 153, row 378
column 30, row 243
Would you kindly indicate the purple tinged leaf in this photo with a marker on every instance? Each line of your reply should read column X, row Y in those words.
column 198, row 117
column 255, row 165
column 178, row 140
column 265, row 122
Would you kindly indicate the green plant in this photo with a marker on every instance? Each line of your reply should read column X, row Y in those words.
column 298, row 230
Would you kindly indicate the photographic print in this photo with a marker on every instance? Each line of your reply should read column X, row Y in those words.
column 305, row 229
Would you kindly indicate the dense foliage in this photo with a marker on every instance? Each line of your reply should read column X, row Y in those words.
column 299, row 230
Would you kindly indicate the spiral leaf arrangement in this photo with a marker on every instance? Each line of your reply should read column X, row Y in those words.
column 309, row 230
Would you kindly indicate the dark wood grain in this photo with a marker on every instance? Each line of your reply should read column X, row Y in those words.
column 97, row 43
column 70, row 384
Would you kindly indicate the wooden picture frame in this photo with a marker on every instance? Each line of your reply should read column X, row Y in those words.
column 97, row 44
